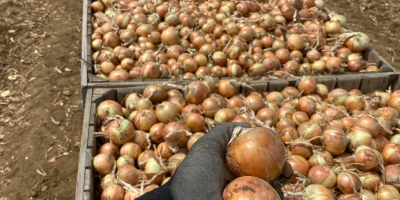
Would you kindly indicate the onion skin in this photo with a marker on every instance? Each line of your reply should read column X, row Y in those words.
column 323, row 175
column 131, row 149
column 387, row 192
column 370, row 180
column 367, row 157
column 391, row 154
column 103, row 163
column 298, row 164
column 110, row 148
column 307, row 84
column 392, row 175
column 167, row 112
column 196, row 92
column 129, row 174
column 114, row 192
column 270, row 158
column 155, row 133
column 335, row 141
column 224, row 115
column 345, row 180
column 318, row 192
column 358, row 43
column 108, row 108
column 120, row 131
column 249, row 188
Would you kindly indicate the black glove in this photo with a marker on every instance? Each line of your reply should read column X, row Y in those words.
column 202, row 173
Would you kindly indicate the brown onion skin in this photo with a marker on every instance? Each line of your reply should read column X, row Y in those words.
column 391, row 154
column 387, row 192
column 174, row 134
column 345, row 181
column 129, row 174
column 249, row 188
column 254, row 102
column 103, row 163
column 317, row 191
column 370, row 180
column 392, row 175
column 323, row 175
column 254, row 140
column 120, row 131
column 108, row 108
column 110, row 148
column 131, row 149
column 113, row 191
column 298, row 164
column 155, row 133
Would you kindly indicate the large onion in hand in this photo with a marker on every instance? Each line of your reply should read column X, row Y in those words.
column 267, row 150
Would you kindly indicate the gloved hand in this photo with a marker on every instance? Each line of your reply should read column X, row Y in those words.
column 201, row 175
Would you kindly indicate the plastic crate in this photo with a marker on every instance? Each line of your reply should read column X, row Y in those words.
column 87, row 183
column 90, row 80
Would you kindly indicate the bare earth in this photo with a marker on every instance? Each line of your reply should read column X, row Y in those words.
column 41, row 110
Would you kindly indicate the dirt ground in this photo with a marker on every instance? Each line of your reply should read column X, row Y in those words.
column 41, row 110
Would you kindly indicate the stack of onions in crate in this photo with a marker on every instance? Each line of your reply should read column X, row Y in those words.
column 160, row 39
column 341, row 144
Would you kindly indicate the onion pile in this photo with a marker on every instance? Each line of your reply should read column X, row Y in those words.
column 134, row 39
column 336, row 148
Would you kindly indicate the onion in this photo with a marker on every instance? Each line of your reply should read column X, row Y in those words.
column 176, row 134
column 270, row 160
column 108, row 108
column 322, row 175
column 211, row 106
column 153, row 168
column 195, row 122
column 170, row 36
column 366, row 158
column 332, row 27
column 174, row 161
column 145, row 119
column 125, row 160
column 194, row 139
column 395, row 139
column 321, row 158
column 337, row 96
column 354, row 103
column 370, row 180
column 164, row 151
column 143, row 104
column 288, row 134
column 167, row 112
column 196, row 92
column 368, row 123
column 274, row 97
column 267, row 116
column 391, row 154
column 120, row 131
column 392, row 175
column 285, row 123
column 333, row 65
column 142, row 139
column 307, row 84
column 309, row 130
column 301, row 147
column 357, row 137
column 379, row 142
column 110, row 148
column 144, row 157
column 129, row 195
column 103, row 163
column 348, row 182
column 131, row 149
column 155, row 93
column 155, row 132
column 226, row 88
column 254, row 102
column 249, row 187
column 317, row 191
column 235, row 103
column 358, row 42
column 108, row 180
column 335, row 140
column 295, row 42
column 299, row 164
column 129, row 174
column 224, row 115
column 290, row 92
column 114, row 192
column 387, row 192
column 340, row 19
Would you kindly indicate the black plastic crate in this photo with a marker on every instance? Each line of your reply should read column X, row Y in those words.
column 86, row 183
column 90, row 80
